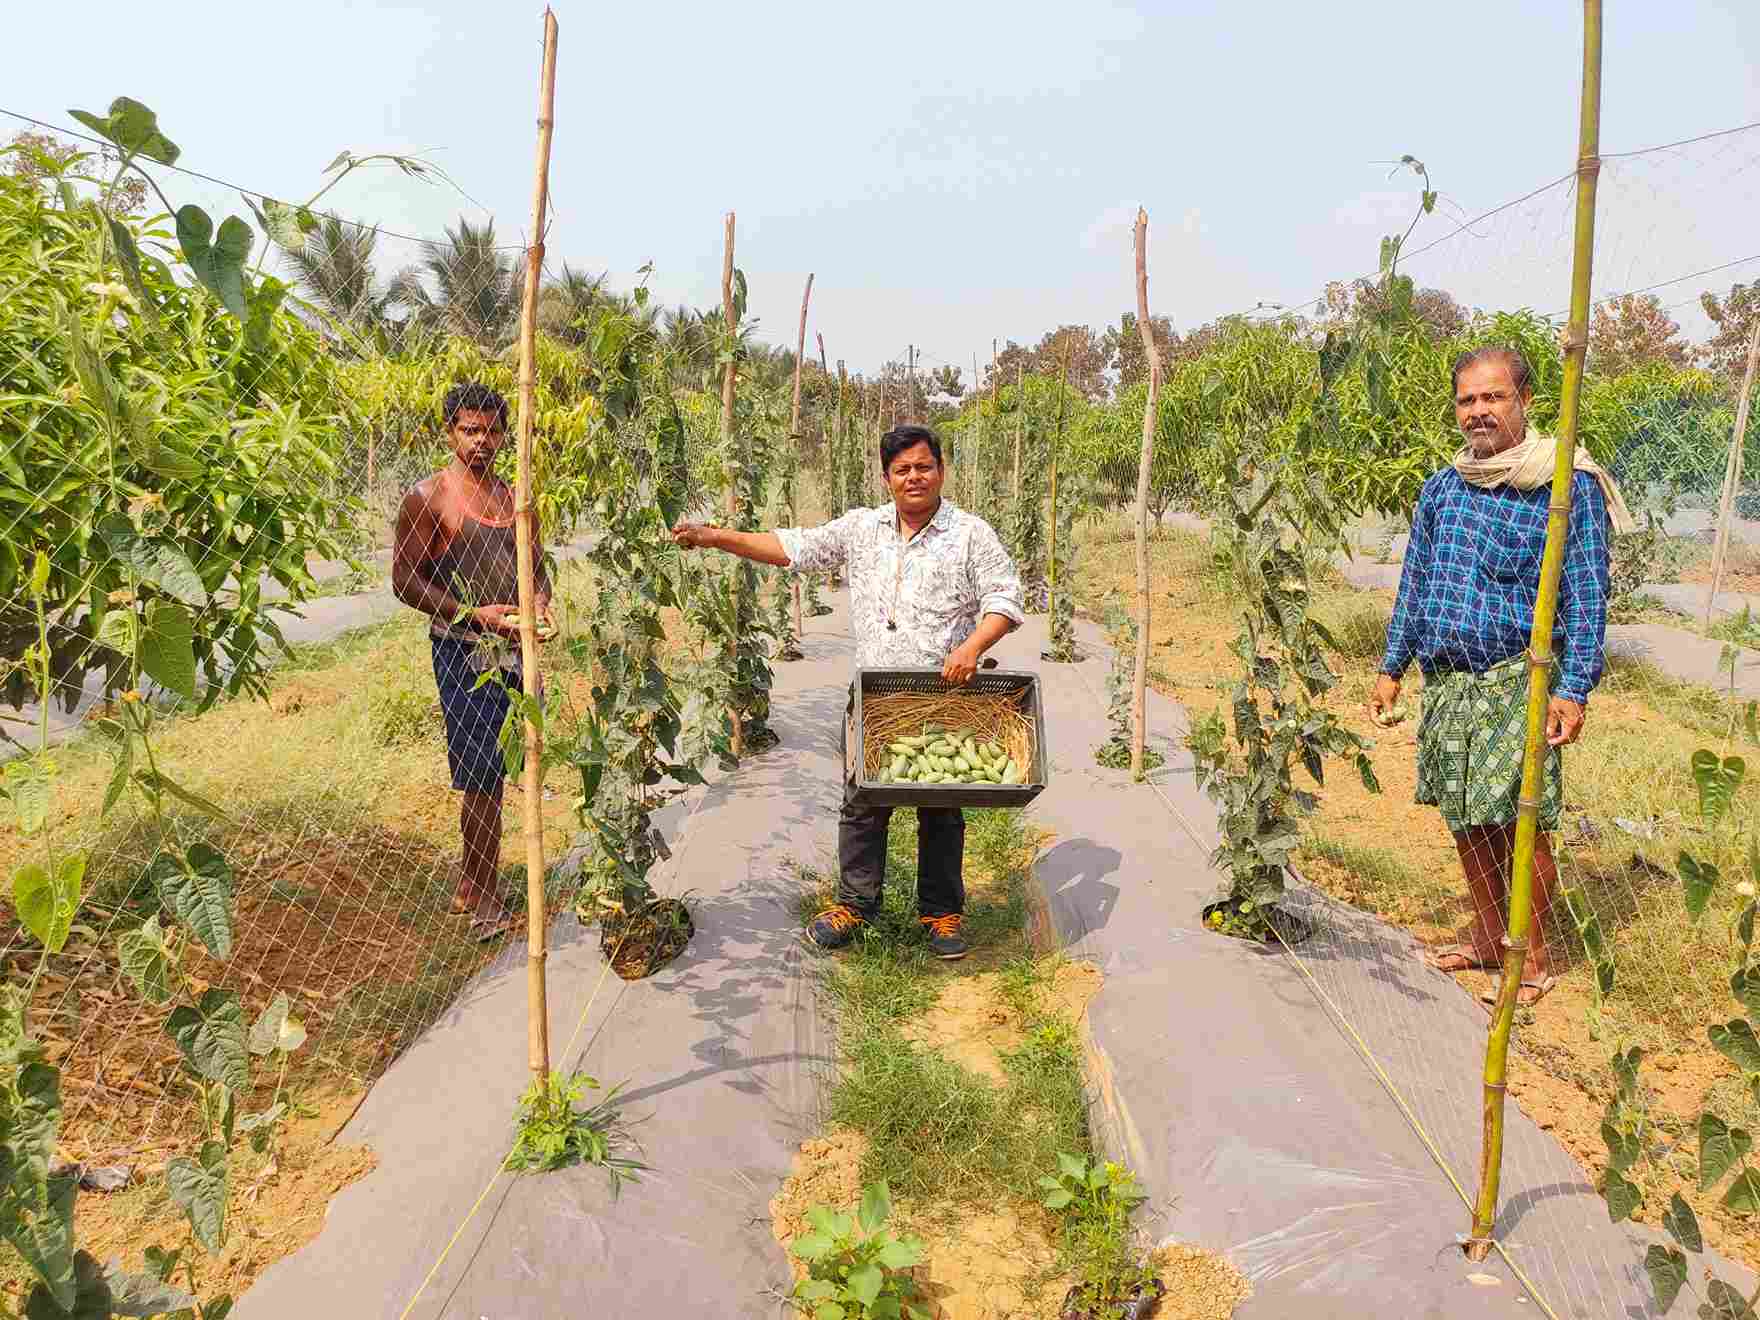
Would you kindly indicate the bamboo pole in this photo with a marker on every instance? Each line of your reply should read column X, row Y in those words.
column 995, row 403
column 1056, row 446
column 1732, row 476
column 1020, row 424
column 525, row 522
column 727, row 387
column 1145, row 462
column 794, row 435
column 1521, row 881
column 977, row 442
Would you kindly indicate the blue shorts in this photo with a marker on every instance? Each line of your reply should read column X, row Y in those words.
column 474, row 716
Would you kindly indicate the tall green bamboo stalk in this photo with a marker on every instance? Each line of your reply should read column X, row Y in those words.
column 1521, row 881
column 525, row 523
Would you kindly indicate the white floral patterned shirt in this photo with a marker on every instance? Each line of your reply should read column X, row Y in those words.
column 954, row 571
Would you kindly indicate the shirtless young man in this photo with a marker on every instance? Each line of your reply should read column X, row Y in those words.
column 454, row 559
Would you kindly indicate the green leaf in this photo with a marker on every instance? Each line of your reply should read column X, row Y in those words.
column 216, row 260
column 1625, row 1071
column 119, row 777
column 132, row 127
column 1682, row 1224
column 197, row 888
column 161, row 1264
column 39, row 1225
column 89, row 1298
column 811, row 1246
column 167, row 648
column 1667, row 1269
column 218, row 1308
column 1723, row 1302
column 1720, row 1147
column 211, row 1036
column 1735, row 1041
column 1621, row 1196
column 266, row 1030
column 1698, row 879
column 145, row 1295
column 1743, row 1195
column 876, row 1207
column 146, row 960
column 1058, row 1200
column 200, row 1188
column 1072, row 1166
column 900, row 1253
column 118, row 631
column 27, row 784
column 251, row 1122
column 815, row 1290
column 128, row 257
column 1623, row 1148
column 154, row 782
column 864, row 1284
column 1717, row 781
column 830, row 1311
column 1366, row 772
column 287, row 225
column 47, row 901
column 263, row 300
column 154, row 563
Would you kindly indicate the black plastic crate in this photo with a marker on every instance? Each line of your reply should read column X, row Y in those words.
column 881, row 682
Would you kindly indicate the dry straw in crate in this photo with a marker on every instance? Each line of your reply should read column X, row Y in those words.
column 992, row 717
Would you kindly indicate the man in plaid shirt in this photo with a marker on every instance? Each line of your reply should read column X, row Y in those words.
column 1464, row 613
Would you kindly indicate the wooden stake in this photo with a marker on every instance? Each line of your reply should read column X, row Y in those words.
column 525, row 522
column 794, row 433
column 1145, row 462
column 727, row 385
column 1056, row 445
column 977, row 443
column 1732, row 475
column 1521, row 879
column 1020, row 426
column 995, row 403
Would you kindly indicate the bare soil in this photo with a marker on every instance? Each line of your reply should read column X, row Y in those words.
column 279, row 1202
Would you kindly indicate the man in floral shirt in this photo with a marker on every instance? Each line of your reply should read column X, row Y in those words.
column 930, row 587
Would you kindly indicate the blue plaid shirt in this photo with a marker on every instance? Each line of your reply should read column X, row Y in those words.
column 1472, row 573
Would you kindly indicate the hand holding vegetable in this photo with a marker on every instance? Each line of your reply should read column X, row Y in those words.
column 1384, row 707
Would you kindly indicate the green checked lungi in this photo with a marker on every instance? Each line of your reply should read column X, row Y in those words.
column 1471, row 732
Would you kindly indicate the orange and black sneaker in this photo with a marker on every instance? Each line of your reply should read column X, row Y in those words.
column 945, row 941
column 835, row 927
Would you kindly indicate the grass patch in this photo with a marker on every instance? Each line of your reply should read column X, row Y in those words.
column 1358, row 626
column 1381, row 881
column 938, row 1130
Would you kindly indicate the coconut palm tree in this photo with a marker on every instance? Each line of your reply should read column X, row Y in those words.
column 336, row 266
column 566, row 302
column 466, row 286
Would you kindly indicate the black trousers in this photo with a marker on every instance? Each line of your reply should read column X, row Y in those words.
column 861, row 852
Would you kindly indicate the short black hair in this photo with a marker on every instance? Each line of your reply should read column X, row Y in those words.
column 471, row 396
column 901, row 438
column 1519, row 371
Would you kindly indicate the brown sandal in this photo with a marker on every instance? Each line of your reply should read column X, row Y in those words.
column 1541, row 989
column 493, row 928
column 1468, row 955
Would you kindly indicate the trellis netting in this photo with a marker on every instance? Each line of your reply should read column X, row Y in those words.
column 208, row 431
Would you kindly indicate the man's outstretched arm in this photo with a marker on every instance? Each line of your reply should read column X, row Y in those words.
column 762, row 547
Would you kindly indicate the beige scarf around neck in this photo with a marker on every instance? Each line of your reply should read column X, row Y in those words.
column 1527, row 465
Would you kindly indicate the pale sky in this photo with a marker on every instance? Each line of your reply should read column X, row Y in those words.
column 955, row 171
